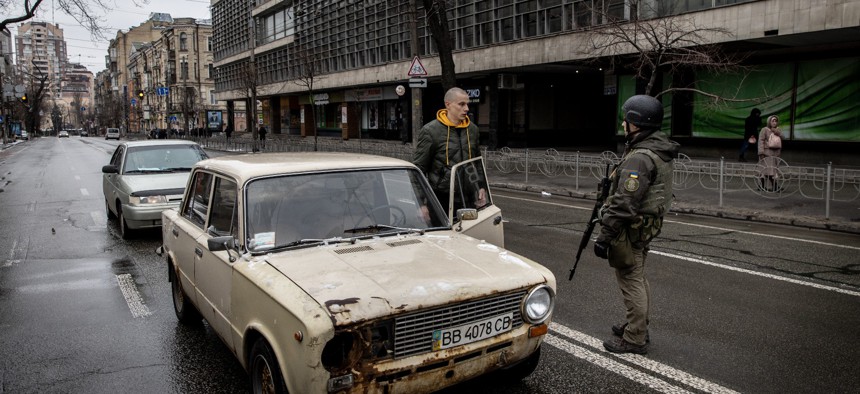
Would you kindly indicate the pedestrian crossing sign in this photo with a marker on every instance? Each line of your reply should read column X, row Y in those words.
column 417, row 69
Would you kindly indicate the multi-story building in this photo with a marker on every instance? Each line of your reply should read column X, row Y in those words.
column 165, row 79
column 534, row 78
column 173, row 74
column 41, row 51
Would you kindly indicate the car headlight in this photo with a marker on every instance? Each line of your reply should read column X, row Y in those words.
column 141, row 200
column 538, row 304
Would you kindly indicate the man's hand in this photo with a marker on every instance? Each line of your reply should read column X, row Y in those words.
column 601, row 249
column 482, row 198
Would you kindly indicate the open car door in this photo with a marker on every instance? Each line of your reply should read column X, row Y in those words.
column 470, row 190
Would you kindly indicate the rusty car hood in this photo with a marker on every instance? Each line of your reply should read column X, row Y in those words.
column 397, row 274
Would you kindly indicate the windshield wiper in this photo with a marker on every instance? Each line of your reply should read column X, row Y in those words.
column 314, row 241
column 177, row 169
column 147, row 171
column 378, row 227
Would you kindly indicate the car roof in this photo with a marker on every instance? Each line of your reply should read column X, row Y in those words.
column 158, row 143
column 252, row 165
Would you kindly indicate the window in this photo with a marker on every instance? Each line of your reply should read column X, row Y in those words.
column 212, row 99
column 183, row 42
column 209, row 44
column 223, row 218
column 183, row 70
column 197, row 207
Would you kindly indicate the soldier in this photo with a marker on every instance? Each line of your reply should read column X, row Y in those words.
column 640, row 194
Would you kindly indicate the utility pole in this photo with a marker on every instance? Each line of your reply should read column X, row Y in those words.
column 251, row 109
column 417, row 118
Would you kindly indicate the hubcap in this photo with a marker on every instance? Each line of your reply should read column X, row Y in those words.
column 265, row 383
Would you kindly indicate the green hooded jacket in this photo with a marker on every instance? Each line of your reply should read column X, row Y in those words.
column 441, row 145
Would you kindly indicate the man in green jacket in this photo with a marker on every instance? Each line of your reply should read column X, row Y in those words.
column 446, row 141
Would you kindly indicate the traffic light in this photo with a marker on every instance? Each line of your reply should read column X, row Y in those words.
column 140, row 93
column 24, row 99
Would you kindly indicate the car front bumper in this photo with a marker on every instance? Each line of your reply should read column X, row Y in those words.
column 145, row 216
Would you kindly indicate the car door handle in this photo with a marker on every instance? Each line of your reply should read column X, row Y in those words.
column 497, row 220
column 175, row 233
column 198, row 252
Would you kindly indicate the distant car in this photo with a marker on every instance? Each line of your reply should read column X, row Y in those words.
column 85, row 133
column 112, row 133
column 327, row 272
column 144, row 178
column 23, row 136
column 63, row 134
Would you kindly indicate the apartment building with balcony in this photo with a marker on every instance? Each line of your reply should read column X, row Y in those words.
column 527, row 66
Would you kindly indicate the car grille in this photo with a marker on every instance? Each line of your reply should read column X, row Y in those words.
column 413, row 333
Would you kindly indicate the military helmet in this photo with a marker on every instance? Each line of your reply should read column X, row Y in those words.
column 643, row 111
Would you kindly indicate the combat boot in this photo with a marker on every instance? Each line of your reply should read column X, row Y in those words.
column 618, row 331
column 619, row 345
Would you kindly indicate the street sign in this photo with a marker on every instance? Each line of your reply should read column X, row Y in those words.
column 133, row 101
column 1, row 118
column 417, row 82
column 416, row 69
column 162, row 91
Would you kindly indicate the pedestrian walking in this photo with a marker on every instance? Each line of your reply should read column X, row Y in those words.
column 752, row 125
column 640, row 194
column 445, row 141
column 262, row 133
column 769, row 149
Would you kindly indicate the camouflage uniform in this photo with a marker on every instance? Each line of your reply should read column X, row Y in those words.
column 640, row 194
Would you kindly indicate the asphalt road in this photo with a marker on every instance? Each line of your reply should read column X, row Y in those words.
column 736, row 306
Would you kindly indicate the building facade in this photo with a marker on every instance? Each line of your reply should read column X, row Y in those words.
column 530, row 67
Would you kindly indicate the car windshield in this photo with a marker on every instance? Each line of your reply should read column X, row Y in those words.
column 163, row 158
column 310, row 209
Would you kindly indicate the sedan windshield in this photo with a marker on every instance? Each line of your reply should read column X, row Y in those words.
column 291, row 211
column 162, row 159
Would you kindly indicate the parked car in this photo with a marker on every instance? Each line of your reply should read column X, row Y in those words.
column 112, row 133
column 63, row 134
column 145, row 177
column 326, row 272
column 23, row 135
column 85, row 133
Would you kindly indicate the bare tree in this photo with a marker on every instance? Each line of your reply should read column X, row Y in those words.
column 306, row 71
column 250, row 79
column 652, row 45
column 37, row 86
column 88, row 13
column 190, row 106
column 437, row 22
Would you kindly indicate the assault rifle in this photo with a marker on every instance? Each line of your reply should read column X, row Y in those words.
column 603, row 189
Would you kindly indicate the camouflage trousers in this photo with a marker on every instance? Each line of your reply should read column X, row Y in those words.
column 637, row 297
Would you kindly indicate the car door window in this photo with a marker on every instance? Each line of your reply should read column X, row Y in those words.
column 223, row 216
column 468, row 181
column 116, row 159
column 196, row 207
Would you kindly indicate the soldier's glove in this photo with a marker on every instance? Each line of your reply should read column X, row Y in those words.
column 601, row 249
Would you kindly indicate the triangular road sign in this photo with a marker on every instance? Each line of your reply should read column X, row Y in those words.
column 417, row 69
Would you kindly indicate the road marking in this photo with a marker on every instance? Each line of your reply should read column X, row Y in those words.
column 31, row 207
column 699, row 225
column 132, row 296
column 85, row 192
column 643, row 362
column 99, row 219
column 762, row 274
column 613, row 366
column 77, row 177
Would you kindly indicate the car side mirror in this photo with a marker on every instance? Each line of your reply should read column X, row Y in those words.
column 467, row 214
column 110, row 169
column 227, row 243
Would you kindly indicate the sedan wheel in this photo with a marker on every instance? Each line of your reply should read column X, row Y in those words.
column 265, row 374
column 185, row 310
column 110, row 214
column 124, row 231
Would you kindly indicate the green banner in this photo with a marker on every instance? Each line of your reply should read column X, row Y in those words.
column 828, row 100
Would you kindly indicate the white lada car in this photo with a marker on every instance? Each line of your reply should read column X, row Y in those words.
column 342, row 273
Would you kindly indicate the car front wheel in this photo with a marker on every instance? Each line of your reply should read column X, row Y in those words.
column 124, row 231
column 110, row 214
column 265, row 373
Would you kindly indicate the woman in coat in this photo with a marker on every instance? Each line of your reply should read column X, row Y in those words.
column 769, row 149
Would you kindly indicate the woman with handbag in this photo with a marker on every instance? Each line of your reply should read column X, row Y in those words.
column 769, row 149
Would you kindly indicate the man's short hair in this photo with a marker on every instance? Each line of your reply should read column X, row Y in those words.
column 451, row 94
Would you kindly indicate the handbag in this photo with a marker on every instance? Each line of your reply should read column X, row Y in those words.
column 752, row 139
column 774, row 142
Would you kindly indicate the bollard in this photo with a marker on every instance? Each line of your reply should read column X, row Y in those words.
column 527, row 166
column 577, row 170
column 827, row 192
column 722, row 178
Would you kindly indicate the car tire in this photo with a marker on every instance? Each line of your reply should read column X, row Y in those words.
column 185, row 311
column 264, row 370
column 110, row 214
column 124, row 231
column 521, row 370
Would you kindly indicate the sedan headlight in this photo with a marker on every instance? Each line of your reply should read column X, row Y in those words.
column 135, row 200
column 538, row 304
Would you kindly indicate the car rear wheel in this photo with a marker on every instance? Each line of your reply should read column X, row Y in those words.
column 185, row 310
column 264, row 370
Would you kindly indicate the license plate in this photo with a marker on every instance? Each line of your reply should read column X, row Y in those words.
column 472, row 332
